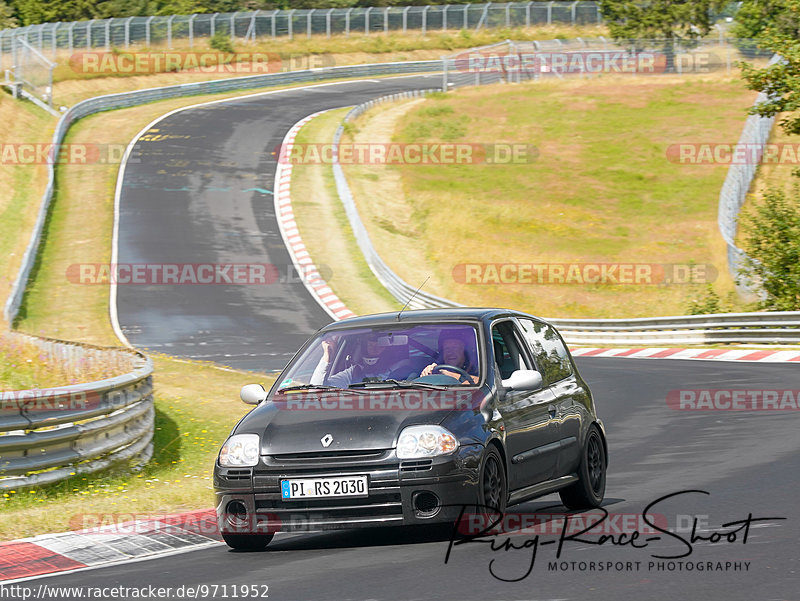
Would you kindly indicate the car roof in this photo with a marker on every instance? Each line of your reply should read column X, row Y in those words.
column 427, row 315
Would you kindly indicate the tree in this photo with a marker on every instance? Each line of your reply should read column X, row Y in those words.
column 668, row 21
column 773, row 245
column 7, row 19
column 754, row 17
column 780, row 81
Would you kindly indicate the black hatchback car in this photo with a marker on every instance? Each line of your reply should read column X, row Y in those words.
column 402, row 419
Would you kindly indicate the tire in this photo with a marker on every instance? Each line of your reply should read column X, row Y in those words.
column 247, row 542
column 590, row 488
column 493, row 492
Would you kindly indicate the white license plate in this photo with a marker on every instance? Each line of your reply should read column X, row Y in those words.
column 306, row 488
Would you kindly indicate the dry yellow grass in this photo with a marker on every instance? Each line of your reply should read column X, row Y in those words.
column 601, row 190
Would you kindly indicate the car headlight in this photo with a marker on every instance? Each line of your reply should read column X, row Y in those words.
column 240, row 450
column 416, row 442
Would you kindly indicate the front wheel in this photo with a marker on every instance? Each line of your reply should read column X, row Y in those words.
column 247, row 542
column 493, row 493
column 590, row 488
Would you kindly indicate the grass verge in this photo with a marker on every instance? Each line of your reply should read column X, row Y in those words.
column 601, row 189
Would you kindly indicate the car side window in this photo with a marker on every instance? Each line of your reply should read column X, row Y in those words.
column 549, row 351
column 507, row 353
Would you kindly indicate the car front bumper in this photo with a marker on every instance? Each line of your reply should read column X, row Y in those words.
column 400, row 493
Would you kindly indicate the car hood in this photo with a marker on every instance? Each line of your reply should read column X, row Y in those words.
column 297, row 422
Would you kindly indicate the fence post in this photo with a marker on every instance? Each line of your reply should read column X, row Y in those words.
column 253, row 27
column 213, row 25
column 40, row 32
column 366, row 20
column 466, row 16
column 147, row 30
column 69, row 35
column 108, row 33
column 328, row 23
column 508, row 14
column 425, row 19
column 550, row 13
column 233, row 27
column 599, row 13
column 169, row 31
column 308, row 23
column 290, row 17
column 347, row 22
column 191, row 30
column 53, row 39
column 572, row 10
column 528, row 14
column 405, row 18
column 386, row 19
column 128, row 32
column 444, row 17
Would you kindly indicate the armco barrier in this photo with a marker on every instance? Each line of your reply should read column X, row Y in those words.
column 760, row 327
column 51, row 434
column 137, row 97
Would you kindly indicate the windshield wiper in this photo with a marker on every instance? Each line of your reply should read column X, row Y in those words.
column 317, row 387
column 401, row 384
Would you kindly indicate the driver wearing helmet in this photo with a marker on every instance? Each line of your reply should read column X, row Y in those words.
column 373, row 364
column 453, row 351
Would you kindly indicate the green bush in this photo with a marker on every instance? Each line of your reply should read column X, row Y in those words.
column 222, row 42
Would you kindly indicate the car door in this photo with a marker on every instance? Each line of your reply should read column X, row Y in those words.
column 552, row 360
column 528, row 416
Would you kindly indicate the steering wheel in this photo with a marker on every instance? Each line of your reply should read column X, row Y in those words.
column 463, row 376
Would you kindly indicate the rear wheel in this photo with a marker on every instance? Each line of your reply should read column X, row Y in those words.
column 590, row 488
column 247, row 542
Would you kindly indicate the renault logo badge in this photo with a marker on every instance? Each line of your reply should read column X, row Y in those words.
column 326, row 440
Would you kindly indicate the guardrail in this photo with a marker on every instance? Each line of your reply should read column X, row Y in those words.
column 402, row 291
column 47, row 435
column 759, row 327
column 137, row 97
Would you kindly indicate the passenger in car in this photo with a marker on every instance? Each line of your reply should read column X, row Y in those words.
column 374, row 363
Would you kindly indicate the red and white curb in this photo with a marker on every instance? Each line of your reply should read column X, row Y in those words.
column 287, row 225
column 105, row 545
column 762, row 356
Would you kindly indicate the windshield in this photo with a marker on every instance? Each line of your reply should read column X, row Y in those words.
column 396, row 355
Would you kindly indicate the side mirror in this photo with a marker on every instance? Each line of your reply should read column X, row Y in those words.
column 253, row 394
column 524, row 379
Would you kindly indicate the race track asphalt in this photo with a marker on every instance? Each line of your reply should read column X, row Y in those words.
column 198, row 190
